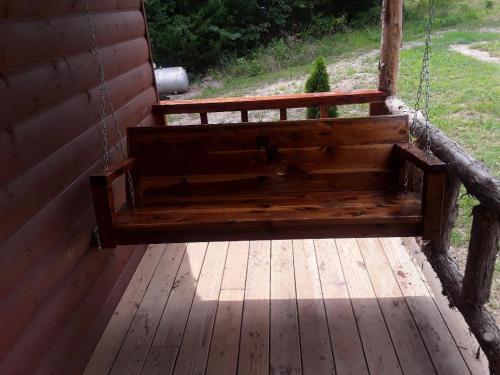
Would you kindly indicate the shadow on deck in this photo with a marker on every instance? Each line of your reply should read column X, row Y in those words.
column 284, row 307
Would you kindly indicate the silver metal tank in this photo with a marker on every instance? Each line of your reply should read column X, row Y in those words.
column 171, row 80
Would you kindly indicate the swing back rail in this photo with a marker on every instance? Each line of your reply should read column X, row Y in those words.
column 282, row 103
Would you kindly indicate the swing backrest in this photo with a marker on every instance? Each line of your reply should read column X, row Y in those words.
column 276, row 157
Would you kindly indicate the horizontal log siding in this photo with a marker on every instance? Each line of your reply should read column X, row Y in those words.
column 57, row 291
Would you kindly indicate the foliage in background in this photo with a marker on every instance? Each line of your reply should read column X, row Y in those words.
column 319, row 82
column 198, row 34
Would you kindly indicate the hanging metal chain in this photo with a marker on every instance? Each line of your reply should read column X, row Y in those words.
column 107, row 104
column 424, row 80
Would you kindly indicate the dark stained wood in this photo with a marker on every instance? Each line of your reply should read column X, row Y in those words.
column 451, row 194
column 79, row 338
column 293, row 231
column 378, row 109
column 159, row 119
column 275, row 180
column 65, row 36
column 433, row 188
column 58, row 293
column 60, row 309
column 115, row 170
column 159, row 189
column 270, row 102
column 36, row 187
column 204, row 118
column 338, row 207
column 53, row 82
column 104, row 210
column 74, row 118
column 323, row 112
column 15, row 8
column 417, row 156
column 432, row 204
column 23, row 295
column 244, row 116
column 268, row 160
column 38, row 238
column 304, row 133
column 283, row 114
column 482, row 255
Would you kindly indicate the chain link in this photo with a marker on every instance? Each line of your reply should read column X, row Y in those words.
column 424, row 83
column 107, row 104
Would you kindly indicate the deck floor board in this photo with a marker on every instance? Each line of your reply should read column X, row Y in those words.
column 282, row 307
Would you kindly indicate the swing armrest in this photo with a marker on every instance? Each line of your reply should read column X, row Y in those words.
column 104, row 203
column 418, row 157
column 115, row 170
column 433, row 187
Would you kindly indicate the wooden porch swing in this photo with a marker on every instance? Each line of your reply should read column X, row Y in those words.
column 274, row 180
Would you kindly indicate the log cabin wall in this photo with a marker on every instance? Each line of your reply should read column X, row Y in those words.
column 57, row 292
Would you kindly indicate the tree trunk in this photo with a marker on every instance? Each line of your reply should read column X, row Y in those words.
column 392, row 37
column 390, row 46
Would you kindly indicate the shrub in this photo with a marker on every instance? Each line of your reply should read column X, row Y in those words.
column 319, row 82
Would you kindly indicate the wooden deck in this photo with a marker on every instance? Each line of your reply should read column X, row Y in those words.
column 284, row 307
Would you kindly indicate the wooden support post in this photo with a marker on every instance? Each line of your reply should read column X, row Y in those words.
column 432, row 201
column 483, row 250
column 450, row 213
column 160, row 119
column 244, row 116
column 104, row 206
column 283, row 114
column 204, row 118
column 392, row 37
column 323, row 112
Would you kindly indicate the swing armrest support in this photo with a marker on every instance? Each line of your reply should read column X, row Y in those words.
column 433, row 187
column 115, row 171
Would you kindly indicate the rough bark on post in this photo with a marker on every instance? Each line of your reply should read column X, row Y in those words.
column 450, row 213
column 483, row 250
column 391, row 41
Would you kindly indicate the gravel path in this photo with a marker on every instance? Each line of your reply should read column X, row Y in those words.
column 477, row 54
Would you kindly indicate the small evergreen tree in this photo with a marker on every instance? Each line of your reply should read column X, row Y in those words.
column 319, row 82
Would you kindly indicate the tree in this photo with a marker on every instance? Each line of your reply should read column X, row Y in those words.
column 198, row 34
column 319, row 82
